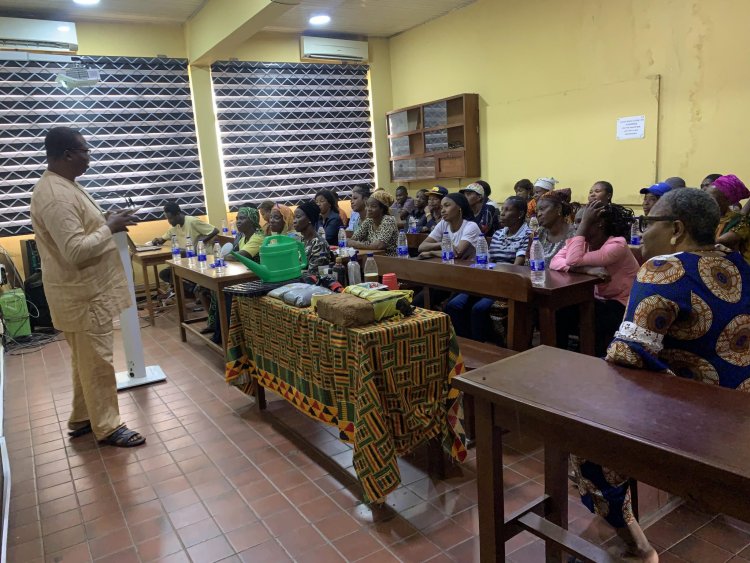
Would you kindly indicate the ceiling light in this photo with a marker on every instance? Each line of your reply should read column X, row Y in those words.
column 86, row 2
column 320, row 19
column 63, row 28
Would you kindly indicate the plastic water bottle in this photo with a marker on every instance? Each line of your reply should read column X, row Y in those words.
column 218, row 260
column 233, row 227
column 371, row 269
column 536, row 263
column 403, row 247
column 189, row 252
column 635, row 234
column 534, row 223
column 224, row 229
column 342, row 242
column 176, row 254
column 354, row 272
column 321, row 232
column 483, row 256
column 446, row 245
column 353, row 223
column 412, row 225
column 202, row 262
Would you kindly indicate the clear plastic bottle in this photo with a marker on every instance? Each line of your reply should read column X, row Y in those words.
column 224, row 229
column 534, row 223
column 635, row 234
column 536, row 263
column 354, row 271
column 412, row 224
column 218, row 260
column 342, row 242
column 202, row 258
column 189, row 252
column 483, row 255
column 321, row 232
column 353, row 223
column 446, row 245
column 402, row 248
column 233, row 228
column 176, row 252
column 371, row 269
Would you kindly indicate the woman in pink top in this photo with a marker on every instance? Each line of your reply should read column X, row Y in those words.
column 600, row 248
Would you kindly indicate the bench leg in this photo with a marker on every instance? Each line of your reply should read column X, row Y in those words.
column 490, row 485
column 556, row 488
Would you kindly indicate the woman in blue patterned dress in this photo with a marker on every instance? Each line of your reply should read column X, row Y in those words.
column 688, row 315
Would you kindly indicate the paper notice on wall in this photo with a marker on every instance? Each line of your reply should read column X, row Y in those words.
column 633, row 127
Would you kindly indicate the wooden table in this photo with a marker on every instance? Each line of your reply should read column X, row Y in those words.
column 146, row 259
column 384, row 386
column 234, row 273
column 681, row 436
column 506, row 281
column 223, row 239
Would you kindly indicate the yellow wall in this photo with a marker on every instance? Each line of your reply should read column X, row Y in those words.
column 519, row 50
column 130, row 40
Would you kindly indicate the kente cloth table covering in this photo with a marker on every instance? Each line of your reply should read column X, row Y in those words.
column 385, row 386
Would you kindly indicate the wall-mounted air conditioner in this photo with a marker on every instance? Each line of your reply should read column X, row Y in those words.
column 37, row 35
column 323, row 48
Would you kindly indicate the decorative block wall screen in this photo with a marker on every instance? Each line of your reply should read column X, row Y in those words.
column 290, row 129
column 138, row 121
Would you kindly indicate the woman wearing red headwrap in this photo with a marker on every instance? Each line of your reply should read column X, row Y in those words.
column 734, row 228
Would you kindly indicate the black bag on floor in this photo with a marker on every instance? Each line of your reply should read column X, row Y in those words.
column 34, row 289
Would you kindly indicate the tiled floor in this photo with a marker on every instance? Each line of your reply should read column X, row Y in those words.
column 219, row 482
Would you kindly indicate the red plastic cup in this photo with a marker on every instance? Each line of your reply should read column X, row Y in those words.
column 391, row 281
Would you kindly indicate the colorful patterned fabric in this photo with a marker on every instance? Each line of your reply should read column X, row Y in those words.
column 689, row 313
column 385, row 386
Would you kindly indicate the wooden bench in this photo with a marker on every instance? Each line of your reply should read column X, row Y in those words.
column 477, row 355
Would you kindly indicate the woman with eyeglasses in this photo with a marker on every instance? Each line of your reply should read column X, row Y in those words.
column 687, row 316
column 600, row 248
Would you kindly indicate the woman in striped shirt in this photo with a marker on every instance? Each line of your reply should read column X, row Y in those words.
column 470, row 315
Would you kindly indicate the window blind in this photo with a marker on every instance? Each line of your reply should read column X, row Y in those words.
column 290, row 129
column 138, row 120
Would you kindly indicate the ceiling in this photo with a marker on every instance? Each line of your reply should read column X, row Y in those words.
column 373, row 18
column 138, row 11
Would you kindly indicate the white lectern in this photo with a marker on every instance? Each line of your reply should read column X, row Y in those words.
column 137, row 373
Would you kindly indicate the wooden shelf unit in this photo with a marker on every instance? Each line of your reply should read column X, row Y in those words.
column 439, row 139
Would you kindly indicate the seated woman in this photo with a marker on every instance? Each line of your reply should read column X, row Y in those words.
column 470, row 315
column 249, row 238
column 249, row 234
column 456, row 221
column 541, row 186
column 552, row 212
column 359, row 200
column 317, row 250
column 687, row 315
column 600, row 248
column 280, row 220
column 378, row 231
column 330, row 219
column 733, row 230
column 601, row 191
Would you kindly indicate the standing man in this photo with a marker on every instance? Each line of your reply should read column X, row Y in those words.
column 84, row 281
